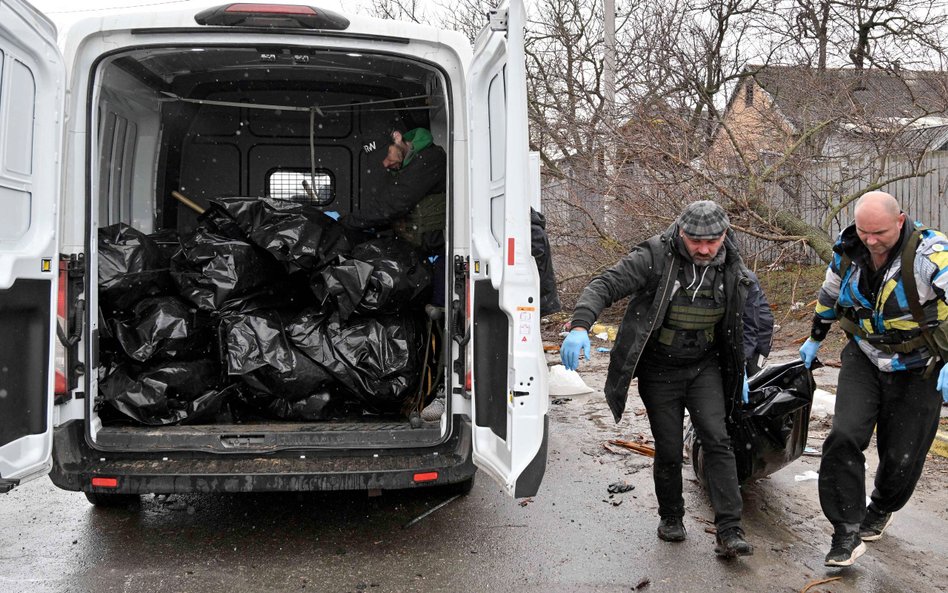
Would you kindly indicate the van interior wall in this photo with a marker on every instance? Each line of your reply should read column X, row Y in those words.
column 151, row 144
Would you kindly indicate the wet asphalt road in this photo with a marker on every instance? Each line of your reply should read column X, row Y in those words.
column 571, row 537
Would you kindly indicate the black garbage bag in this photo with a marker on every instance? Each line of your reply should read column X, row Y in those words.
column 163, row 328
column 303, row 379
column 383, row 275
column 255, row 339
column 770, row 431
column 300, row 236
column 212, row 269
column 540, row 249
column 320, row 405
column 377, row 360
column 166, row 393
column 131, row 267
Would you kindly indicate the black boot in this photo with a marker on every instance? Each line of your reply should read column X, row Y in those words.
column 671, row 529
column 731, row 543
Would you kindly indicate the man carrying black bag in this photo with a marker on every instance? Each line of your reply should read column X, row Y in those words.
column 681, row 336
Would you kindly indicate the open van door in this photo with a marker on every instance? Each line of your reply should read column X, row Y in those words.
column 32, row 79
column 509, row 374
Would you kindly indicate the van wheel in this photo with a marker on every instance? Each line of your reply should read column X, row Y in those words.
column 106, row 500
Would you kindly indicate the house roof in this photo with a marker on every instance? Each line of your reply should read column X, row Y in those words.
column 805, row 96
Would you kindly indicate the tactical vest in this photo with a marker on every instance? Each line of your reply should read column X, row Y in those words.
column 934, row 338
column 423, row 227
column 687, row 332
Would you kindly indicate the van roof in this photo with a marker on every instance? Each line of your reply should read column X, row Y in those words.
column 174, row 17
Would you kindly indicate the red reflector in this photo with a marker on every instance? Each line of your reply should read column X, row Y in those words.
column 426, row 477
column 271, row 9
column 105, row 482
column 468, row 381
column 510, row 251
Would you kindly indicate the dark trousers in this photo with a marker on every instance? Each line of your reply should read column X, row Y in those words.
column 666, row 393
column 904, row 408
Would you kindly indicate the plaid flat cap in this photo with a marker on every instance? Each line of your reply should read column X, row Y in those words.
column 703, row 220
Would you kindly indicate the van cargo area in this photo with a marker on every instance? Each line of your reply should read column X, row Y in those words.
column 232, row 308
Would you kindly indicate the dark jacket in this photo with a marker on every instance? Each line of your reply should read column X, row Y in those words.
column 540, row 249
column 647, row 275
column 422, row 176
column 758, row 321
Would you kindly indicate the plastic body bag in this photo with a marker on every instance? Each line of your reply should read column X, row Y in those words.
column 376, row 360
column 383, row 275
column 131, row 267
column 299, row 236
column 770, row 431
column 165, row 394
column 162, row 328
column 212, row 269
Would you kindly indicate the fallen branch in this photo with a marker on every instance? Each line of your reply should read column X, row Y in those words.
column 637, row 447
column 428, row 512
column 815, row 583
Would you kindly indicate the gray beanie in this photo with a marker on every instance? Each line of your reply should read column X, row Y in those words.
column 703, row 220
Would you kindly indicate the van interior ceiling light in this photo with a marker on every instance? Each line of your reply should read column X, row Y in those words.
column 272, row 16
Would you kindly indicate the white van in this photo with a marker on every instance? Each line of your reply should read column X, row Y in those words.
column 131, row 106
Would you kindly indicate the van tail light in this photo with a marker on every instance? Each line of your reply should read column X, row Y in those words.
column 102, row 482
column 426, row 477
column 61, row 354
column 272, row 16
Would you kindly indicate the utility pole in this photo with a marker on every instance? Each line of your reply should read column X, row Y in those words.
column 607, row 137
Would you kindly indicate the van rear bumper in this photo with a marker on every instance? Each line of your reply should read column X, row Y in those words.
column 75, row 464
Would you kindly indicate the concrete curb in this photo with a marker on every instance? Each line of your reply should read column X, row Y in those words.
column 940, row 444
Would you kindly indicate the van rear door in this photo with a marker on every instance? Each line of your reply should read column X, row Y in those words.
column 32, row 79
column 509, row 370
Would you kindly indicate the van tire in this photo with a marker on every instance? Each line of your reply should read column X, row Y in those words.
column 109, row 500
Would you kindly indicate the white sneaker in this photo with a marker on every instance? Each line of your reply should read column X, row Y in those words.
column 434, row 410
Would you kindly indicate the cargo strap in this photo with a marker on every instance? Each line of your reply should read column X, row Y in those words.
column 851, row 329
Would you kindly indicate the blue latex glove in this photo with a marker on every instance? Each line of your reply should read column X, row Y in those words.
column 745, row 391
column 576, row 340
column 808, row 351
column 331, row 214
column 943, row 383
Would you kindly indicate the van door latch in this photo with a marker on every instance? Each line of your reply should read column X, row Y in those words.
column 497, row 20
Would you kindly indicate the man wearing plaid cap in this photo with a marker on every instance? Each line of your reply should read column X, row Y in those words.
column 681, row 336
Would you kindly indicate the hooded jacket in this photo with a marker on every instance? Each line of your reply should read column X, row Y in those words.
column 647, row 275
column 422, row 173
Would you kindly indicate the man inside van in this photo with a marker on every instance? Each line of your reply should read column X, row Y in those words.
column 412, row 201
column 681, row 336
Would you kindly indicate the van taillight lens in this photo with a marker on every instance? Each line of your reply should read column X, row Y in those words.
column 270, row 9
column 272, row 16
column 105, row 482
column 426, row 477
column 62, row 386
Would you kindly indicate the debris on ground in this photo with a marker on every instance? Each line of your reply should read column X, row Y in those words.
column 643, row 584
column 619, row 487
column 806, row 476
column 428, row 512
column 812, row 452
column 639, row 411
column 637, row 447
column 812, row 584
column 525, row 502
column 559, row 401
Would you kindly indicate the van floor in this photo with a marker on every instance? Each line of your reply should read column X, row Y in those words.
column 269, row 435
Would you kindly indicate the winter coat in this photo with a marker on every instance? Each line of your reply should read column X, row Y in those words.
column 422, row 175
column 647, row 275
column 758, row 321
column 540, row 249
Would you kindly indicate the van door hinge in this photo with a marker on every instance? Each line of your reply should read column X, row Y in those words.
column 497, row 20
